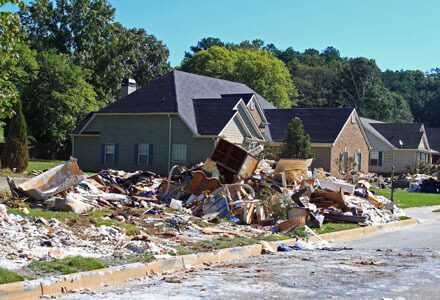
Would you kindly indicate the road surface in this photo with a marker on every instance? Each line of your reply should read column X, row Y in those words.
column 398, row 264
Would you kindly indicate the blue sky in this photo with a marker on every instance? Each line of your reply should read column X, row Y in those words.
column 398, row 34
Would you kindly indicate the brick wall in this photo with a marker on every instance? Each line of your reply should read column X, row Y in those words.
column 351, row 140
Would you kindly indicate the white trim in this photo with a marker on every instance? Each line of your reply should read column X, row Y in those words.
column 376, row 133
column 86, row 135
column 258, row 105
column 249, row 116
column 322, row 145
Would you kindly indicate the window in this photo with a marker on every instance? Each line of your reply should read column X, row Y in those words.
column 376, row 158
column 358, row 161
column 387, row 157
column 179, row 153
column 343, row 161
column 109, row 153
column 143, row 154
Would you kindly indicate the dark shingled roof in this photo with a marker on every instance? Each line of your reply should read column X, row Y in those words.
column 408, row 133
column 433, row 135
column 246, row 97
column 175, row 91
column 212, row 115
column 322, row 124
column 82, row 123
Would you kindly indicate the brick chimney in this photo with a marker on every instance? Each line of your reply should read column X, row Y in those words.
column 128, row 87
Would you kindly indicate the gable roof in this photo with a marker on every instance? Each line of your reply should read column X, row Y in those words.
column 83, row 122
column 174, row 93
column 322, row 124
column 433, row 137
column 409, row 133
column 212, row 115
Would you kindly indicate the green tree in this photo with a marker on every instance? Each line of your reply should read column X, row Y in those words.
column 258, row 69
column 297, row 143
column 10, row 38
column 15, row 155
column 86, row 31
column 203, row 44
column 55, row 101
column 360, row 86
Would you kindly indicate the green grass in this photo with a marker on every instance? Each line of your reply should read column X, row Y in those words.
column 7, row 276
column 47, row 214
column 42, row 165
column 437, row 210
column 272, row 237
column 183, row 251
column 223, row 243
column 67, row 265
column 333, row 227
column 404, row 199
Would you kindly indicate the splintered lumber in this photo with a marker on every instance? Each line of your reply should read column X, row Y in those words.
column 327, row 199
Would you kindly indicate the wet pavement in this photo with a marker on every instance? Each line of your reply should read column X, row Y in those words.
column 399, row 264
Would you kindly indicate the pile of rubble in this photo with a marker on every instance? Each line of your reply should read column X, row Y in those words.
column 263, row 196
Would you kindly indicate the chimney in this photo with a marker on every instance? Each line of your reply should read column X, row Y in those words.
column 128, row 87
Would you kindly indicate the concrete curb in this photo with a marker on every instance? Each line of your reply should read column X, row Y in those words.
column 362, row 231
column 115, row 275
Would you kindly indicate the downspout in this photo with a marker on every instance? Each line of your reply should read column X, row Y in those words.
column 169, row 141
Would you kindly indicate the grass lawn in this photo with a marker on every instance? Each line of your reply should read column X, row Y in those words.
column 41, row 165
column 7, row 276
column 404, row 199
column 67, row 265
column 332, row 227
column 47, row 214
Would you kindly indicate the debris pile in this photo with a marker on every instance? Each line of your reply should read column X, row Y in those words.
column 163, row 213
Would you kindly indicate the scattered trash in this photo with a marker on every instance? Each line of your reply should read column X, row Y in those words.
column 122, row 213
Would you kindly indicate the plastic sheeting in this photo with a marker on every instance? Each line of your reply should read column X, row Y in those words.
column 53, row 181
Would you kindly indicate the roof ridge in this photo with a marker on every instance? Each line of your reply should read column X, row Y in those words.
column 210, row 77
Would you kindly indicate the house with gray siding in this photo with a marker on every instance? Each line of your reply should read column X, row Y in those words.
column 402, row 145
column 176, row 119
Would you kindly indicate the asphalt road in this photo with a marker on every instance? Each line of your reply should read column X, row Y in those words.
column 397, row 264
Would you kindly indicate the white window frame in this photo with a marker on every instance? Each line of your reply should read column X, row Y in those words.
column 358, row 161
column 179, row 153
column 143, row 152
column 109, row 149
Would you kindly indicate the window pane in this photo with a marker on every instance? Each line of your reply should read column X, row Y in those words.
column 110, row 148
column 143, row 149
column 110, row 153
column 143, row 152
column 143, row 159
column 109, row 158
column 179, row 152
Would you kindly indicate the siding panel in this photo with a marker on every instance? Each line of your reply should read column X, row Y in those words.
column 129, row 130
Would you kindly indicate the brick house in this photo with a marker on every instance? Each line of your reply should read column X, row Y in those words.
column 179, row 117
column 336, row 135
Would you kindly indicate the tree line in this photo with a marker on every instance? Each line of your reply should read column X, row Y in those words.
column 61, row 59
column 322, row 79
